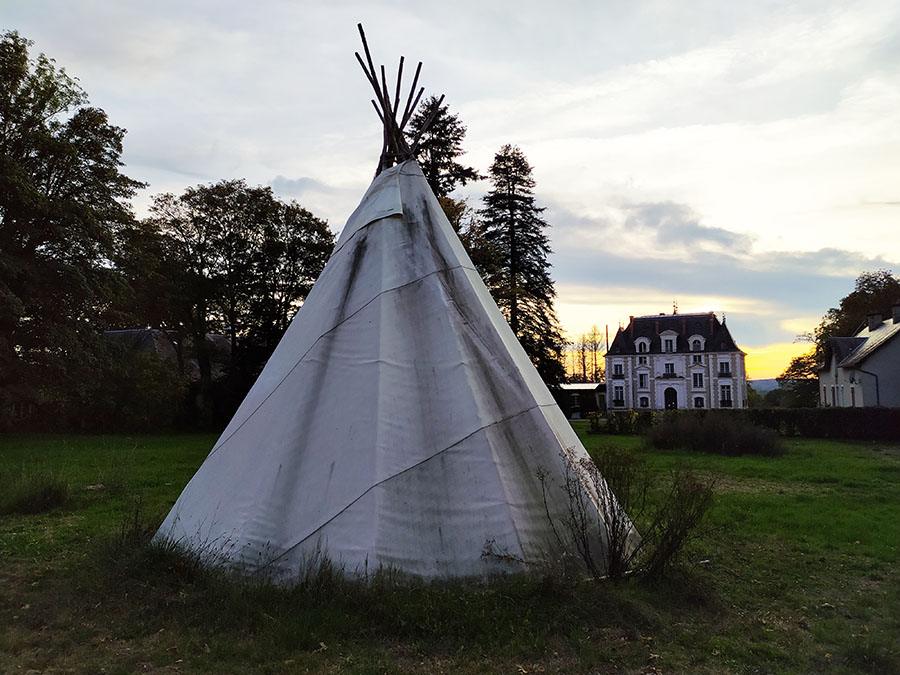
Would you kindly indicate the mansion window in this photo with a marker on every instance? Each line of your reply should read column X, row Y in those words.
column 696, row 358
column 852, row 396
column 669, row 368
column 642, row 347
column 698, row 401
column 642, row 360
column 619, row 395
column 617, row 369
column 644, row 402
column 724, row 368
column 642, row 380
column 695, row 346
column 698, row 379
column 669, row 345
column 725, row 395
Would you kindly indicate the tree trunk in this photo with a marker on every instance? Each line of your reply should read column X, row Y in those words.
column 201, row 350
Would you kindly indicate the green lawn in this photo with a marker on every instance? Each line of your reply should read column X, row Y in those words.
column 797, row 572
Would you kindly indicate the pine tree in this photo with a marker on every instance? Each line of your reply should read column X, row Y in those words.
column 439, row 148
column 520, row 279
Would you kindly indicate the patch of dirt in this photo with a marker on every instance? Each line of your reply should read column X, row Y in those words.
column 756, row 486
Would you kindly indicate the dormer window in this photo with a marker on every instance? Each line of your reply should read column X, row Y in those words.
column 697, row 343
column 642, row 345
column 669, row 345
column 695, row 346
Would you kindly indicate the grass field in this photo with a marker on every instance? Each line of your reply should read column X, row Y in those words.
column 797, row 572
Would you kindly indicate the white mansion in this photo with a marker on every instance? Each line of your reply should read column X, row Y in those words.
column 675, row 361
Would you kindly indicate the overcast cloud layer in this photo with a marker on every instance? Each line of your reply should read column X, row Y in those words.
column 743, row 159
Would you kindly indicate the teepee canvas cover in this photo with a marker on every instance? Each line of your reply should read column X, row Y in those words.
column 398, row 423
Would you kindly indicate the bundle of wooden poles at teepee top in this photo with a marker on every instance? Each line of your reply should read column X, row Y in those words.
column 394, row 149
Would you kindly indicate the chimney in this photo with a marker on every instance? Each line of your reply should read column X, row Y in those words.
column 631, row 325
column 874, row 321
column 895, row 310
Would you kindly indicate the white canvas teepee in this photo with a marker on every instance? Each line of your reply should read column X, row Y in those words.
column 398, row 423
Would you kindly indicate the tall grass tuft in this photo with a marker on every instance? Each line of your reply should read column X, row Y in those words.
column 32, row 492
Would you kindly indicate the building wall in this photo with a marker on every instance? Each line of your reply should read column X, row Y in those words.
column 657, row 380
column 851, row 387
column 886, row 363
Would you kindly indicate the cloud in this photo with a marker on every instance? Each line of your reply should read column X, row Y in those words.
column 677, row 224
column 298, row 187
column 328, row 201
column 738, row 154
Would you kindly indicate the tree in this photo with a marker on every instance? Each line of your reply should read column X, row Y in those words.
column 594, row 343
column 294, row 249
column 439, row 147
column 520, row 277
column 241, row 262
column 63, row 198
column 799, row 382
column 873, row 292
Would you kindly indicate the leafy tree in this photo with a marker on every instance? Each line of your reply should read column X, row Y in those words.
column 63, row 197
column 520, row 279
column 873, row 292
column 293, row 251
column 440, row 147
column 799, row 382
column 239, row 262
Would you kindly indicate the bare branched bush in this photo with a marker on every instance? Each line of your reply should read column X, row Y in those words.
column 638, row 528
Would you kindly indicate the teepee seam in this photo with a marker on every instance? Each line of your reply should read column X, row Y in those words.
column 316, row 341
column 401, row 472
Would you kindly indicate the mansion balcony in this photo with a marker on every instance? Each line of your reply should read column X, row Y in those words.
column 618, row 376
column 670, row 376
column 618, row 403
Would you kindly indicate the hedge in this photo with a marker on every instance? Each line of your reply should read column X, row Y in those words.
column 881, row 424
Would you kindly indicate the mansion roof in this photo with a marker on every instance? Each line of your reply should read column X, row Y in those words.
column 714, row 333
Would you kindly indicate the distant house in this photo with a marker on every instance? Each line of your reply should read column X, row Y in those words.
column 167, row 347
column 579, row 399
column 669, row 361
column 863, row 370
column 145, row 340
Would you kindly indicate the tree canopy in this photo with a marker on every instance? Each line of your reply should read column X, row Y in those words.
column 63, row 199
column 239, row 262
column 226, row 258
column 440, row 147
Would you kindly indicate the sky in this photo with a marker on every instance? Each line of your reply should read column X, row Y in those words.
column 742, row 158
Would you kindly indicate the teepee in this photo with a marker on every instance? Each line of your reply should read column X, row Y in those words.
column 399, row 423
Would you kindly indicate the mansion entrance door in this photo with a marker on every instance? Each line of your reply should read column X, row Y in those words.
column 671, row 398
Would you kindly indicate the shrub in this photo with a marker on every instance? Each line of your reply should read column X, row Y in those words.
column 635, row 530
column 715, row 433
column 629, row 421
column 850, row 423
column 31, row 493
